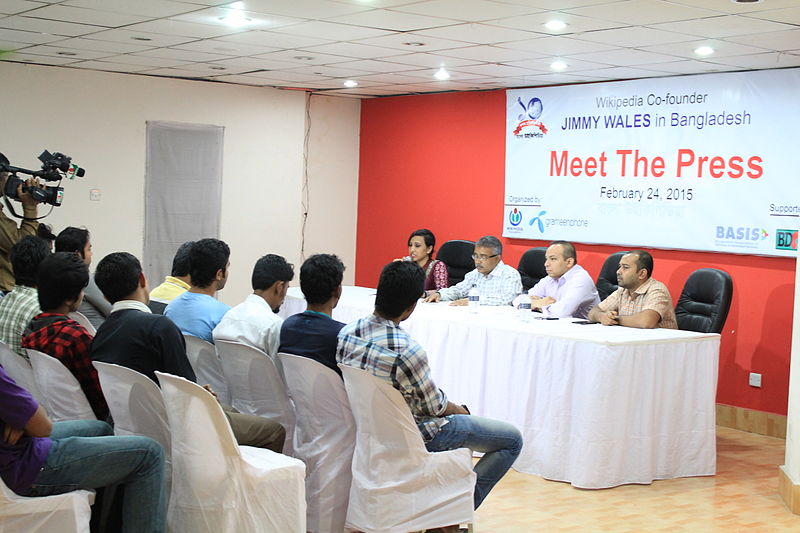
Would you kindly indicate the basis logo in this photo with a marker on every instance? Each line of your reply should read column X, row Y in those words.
column 731, row 233
column 515, row 217
column 786, row 239
column 529, row 118
column 539, row 221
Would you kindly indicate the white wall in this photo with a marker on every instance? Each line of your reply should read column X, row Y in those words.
column 99, row 119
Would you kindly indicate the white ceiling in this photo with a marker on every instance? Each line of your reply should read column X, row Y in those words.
column 394, row 46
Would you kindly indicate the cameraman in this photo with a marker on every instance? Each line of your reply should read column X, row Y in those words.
column 10, row 233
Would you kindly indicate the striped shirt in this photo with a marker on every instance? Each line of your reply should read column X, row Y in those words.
column 17, row 309
column 388, row 352
column 499, row 287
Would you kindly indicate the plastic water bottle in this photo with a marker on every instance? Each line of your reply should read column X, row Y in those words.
column 525, row 308
column 474, row 299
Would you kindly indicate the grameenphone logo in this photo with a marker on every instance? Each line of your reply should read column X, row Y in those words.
column 538, row 220
column 529, row 118
column 515, row 217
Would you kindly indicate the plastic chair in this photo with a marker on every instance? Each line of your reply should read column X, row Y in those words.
column 219, row 486
column 207, row 368
column 256, row 386
column 607, row 279
column 531, row 266
column 20, row 370
column 705, row 300
column 324, row 439
column 399, row 486
column 457, row 255
column 81, row 319
column 60, row 392
column 61, row 513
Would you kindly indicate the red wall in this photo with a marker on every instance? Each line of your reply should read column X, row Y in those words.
column 438, row 161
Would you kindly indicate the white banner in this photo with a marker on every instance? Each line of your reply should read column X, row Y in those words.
column 706, row 162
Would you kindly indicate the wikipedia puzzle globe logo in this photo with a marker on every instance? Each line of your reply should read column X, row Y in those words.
column 515, row 217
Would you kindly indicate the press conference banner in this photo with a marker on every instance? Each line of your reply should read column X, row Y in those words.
column 708, row 162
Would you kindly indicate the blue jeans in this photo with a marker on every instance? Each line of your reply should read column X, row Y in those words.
column 499, row 441
column 84, row 456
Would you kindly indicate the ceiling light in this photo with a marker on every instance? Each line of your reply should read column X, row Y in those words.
column 414, row 43
column 442, row 74
column 704, row 51
column 235, row 16
column 558, row 65
column 350, row 83
column 555, row 25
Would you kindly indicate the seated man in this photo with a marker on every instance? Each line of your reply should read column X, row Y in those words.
column 568, row 290
column 313, row 333
column 497, row 282
column 94, row 306
column 134, row 337
column 196, row 311
column 19, row 306
column 62, row 277
column 39, row 458
column 377, row 343
column 254, row 321
column 177, row 282
column 640, row 301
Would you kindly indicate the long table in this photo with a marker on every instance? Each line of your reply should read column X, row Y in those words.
column 598, row 406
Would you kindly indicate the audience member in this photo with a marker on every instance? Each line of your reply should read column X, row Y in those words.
column 10, row 233
column 314, row 333
column 40, row 458
column 45, row 232
column 61, row 279
column 421, row 244
column 377, row 344
column 567, row 290
column 497, row 283
column 178, row 281
column 76, row 240
column 22, row 303
column 134, row 337
column 640, row 301
column 196, row 311
column 254, row 321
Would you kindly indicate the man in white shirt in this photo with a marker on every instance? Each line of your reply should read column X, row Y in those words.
column 568, row 290
column 254, row 321
column 497, row 282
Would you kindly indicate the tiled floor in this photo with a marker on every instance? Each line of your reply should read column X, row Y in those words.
column 743, row 496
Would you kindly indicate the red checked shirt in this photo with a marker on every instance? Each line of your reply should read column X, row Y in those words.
column 69, row 342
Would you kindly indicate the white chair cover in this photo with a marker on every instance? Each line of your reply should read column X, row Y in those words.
column 399, row 486
column 206, row 366
column 323, row 438
column 137, row 407
column 81, row 319
column 60, row 392
column 256, row 386
column 62, row 513
column 20, row 371
column 218, row 486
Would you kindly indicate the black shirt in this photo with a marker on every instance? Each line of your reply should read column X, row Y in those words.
column 313, row 335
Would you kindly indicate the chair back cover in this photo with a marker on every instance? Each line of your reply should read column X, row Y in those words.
column 412, row 488
column 705, row 301
column 207, row 368
column 256, row 385
column 20, row 371
column 60, row 392
column 218, row 486
column 323, row 438
column 531, row 266
column 607, row 279
column 62, row 513
column 457, row 256
column 81, row 319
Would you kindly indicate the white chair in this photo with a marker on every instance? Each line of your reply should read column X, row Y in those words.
column 324, row 438
column 137, row 407
column 219, row 486
column 60, row 392
column 61, row 513
column 399, row 486
column 81, row 319
column 206, row 366
column 256, row 386
column 20, row 370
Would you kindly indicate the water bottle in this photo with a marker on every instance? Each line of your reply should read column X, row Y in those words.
column 525, row 307
column 474, row 298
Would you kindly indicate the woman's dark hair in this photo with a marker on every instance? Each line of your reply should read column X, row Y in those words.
column 427, row 236
column 61, row 278
column 400, row 285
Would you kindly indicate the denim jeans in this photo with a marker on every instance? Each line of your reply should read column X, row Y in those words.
column 84, row 456
column 499, row 441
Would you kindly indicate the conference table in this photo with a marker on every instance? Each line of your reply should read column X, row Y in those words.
column 597, row 406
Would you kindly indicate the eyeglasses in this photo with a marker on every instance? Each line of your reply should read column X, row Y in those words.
column 483, row 257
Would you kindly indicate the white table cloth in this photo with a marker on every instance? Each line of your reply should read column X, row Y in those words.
column 597, row 406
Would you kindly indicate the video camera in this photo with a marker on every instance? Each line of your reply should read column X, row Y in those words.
column 55, row 167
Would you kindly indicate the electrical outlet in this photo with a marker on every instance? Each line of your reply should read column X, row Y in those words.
column 94, row 195
column 755, row 380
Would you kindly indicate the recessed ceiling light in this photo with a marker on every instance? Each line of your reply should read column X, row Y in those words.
column 704, row 51
column 414, row 43
column 235, row 16
column 558, row 65
column 66, row 53
column 555, row 25
column 350, row 83
column 442, row 74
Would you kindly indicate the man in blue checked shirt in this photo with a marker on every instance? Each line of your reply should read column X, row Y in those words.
column 377, row 343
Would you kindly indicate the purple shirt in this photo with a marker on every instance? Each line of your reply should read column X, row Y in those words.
column 20, row 463
column 574, row 293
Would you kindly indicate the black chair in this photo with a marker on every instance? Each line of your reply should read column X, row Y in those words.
column 457, row 256
column 705, row 301
column 607, row 279
column 531, row 266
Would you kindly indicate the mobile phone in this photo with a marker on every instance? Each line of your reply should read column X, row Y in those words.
column 584, row 322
